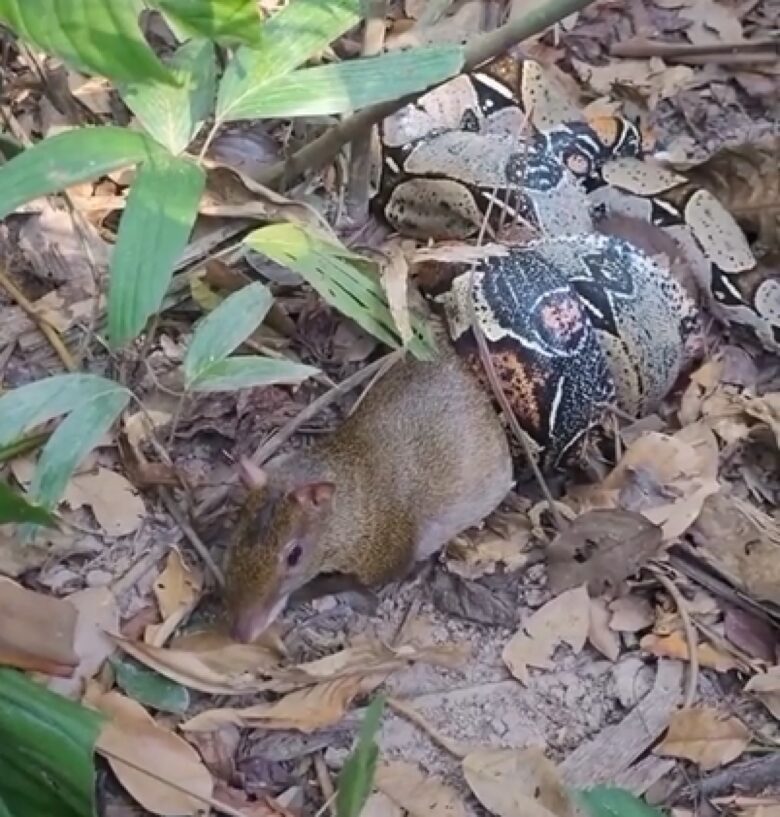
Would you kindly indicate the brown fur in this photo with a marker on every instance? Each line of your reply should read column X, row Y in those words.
column 422, row 457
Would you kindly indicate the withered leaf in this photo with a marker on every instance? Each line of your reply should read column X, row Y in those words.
column 421, row 796
column 766, row 687
column 674, row 645
column 706, row 736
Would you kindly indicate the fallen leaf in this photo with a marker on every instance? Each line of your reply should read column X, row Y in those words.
column 766, row 409
column 394, row 275
column 605, row 640
column 380, row 805
column 97, row 618
column 117, row 506
column 675, row 646
column 564, row 619
column 712, row 23
column 601, row 549
column 631, row 614
column 766, row 687
column 505, row 542
column 753, row 635
column 306, row 710
column 421, row 796
column 38, row 631
column 517, row 783
column 132, row 735
column 705, row 736
column 177, row 590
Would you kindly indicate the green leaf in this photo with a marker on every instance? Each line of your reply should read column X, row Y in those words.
column 347, row 86
column 15, row 508
column 173, row 115
column 69, row 158
column 290, row 38
column 248, row 372
column 225, row 328
column 334, row 272
column 357, row 775
column 161, row 209
column 74, row 438
column 46, row 751
column 100, row 36
column 221, row 20
column 606, row 801
column 149, row 688
column 28, row 406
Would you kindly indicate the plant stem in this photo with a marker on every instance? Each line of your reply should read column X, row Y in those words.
column 485, row 47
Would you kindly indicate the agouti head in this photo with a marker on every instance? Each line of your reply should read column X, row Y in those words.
column 275, row 550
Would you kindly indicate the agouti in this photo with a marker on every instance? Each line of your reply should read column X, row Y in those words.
column 423, row 457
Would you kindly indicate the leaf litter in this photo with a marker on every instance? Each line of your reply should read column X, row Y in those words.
column 695, row 478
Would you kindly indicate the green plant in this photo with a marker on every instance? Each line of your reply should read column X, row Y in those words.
column 357, row 774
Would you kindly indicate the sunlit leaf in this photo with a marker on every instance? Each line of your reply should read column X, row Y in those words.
column 16, row 508
column 248, row 372
column 46, row 751
column 95, row 36
column 346, row 86
column 290, row 37
column 225, row 328
column 357, row 774
column 155, row 226
column 69, row 158
column 336, row 274
column 221, row 20
column 174, row 114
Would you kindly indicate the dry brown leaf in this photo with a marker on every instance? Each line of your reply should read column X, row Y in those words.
column 564, row 619
column 38, row 631
column 394, row 275
column 674, row 645
column 380, row 805
column 177, row 591
column 712, row 22
column 631, row 614
column 97, row 619
column 17, row 556
column 480, row 553
column 306, row 710
column 517, row 783
column 601, row 549
column 118, row 508
column 132, row 735
column 415, row 792
column 766, row 687
column 766, row 409
column 604, row 639
column 705, row 736
column 455, row 253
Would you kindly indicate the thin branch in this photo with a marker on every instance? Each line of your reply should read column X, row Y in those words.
column 485, row 47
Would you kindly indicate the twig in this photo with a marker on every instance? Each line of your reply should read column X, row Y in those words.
column 139, row 569
column 750, row 775
column 195, row 540
column 452, row 746
column 640, row 48
column 326, row 784
column 271, row 446
column 690, row 633
column 319, row 152
column 51, row 334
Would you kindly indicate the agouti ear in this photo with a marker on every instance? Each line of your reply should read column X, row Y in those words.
column 251, row 475
column 313, row 494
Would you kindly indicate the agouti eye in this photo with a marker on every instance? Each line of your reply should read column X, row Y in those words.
column 294, row 556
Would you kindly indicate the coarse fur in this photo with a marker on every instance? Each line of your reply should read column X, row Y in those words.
column 422, row 458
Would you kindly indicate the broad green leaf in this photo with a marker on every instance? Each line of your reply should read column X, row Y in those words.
column 247, row 372
column 69, row 158
column 95, row 36
column 156, row 224
column 15, row 508
column 173, row 115
column 290, row 38
column 335, row 273
column 606, row 801
column 149, row 688
column 221, row 20
column 225, row 328
column 28, row 406
column 74, row 438
column 46, row 751
column 357, row 774
column 340, row 87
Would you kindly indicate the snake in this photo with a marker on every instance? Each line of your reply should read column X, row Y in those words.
column 575, row 320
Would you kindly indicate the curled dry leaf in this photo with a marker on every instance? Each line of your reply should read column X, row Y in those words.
column 766, row 687
column 517, row 783
column 674, row 645
column 419, row 795
column 601, row 549
column 177, row 590
column 38, row 631
column 604, row 639
column 132, row 735
column 306, row 710
column 705, row 736
column 394, row 274
column 564, row 619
